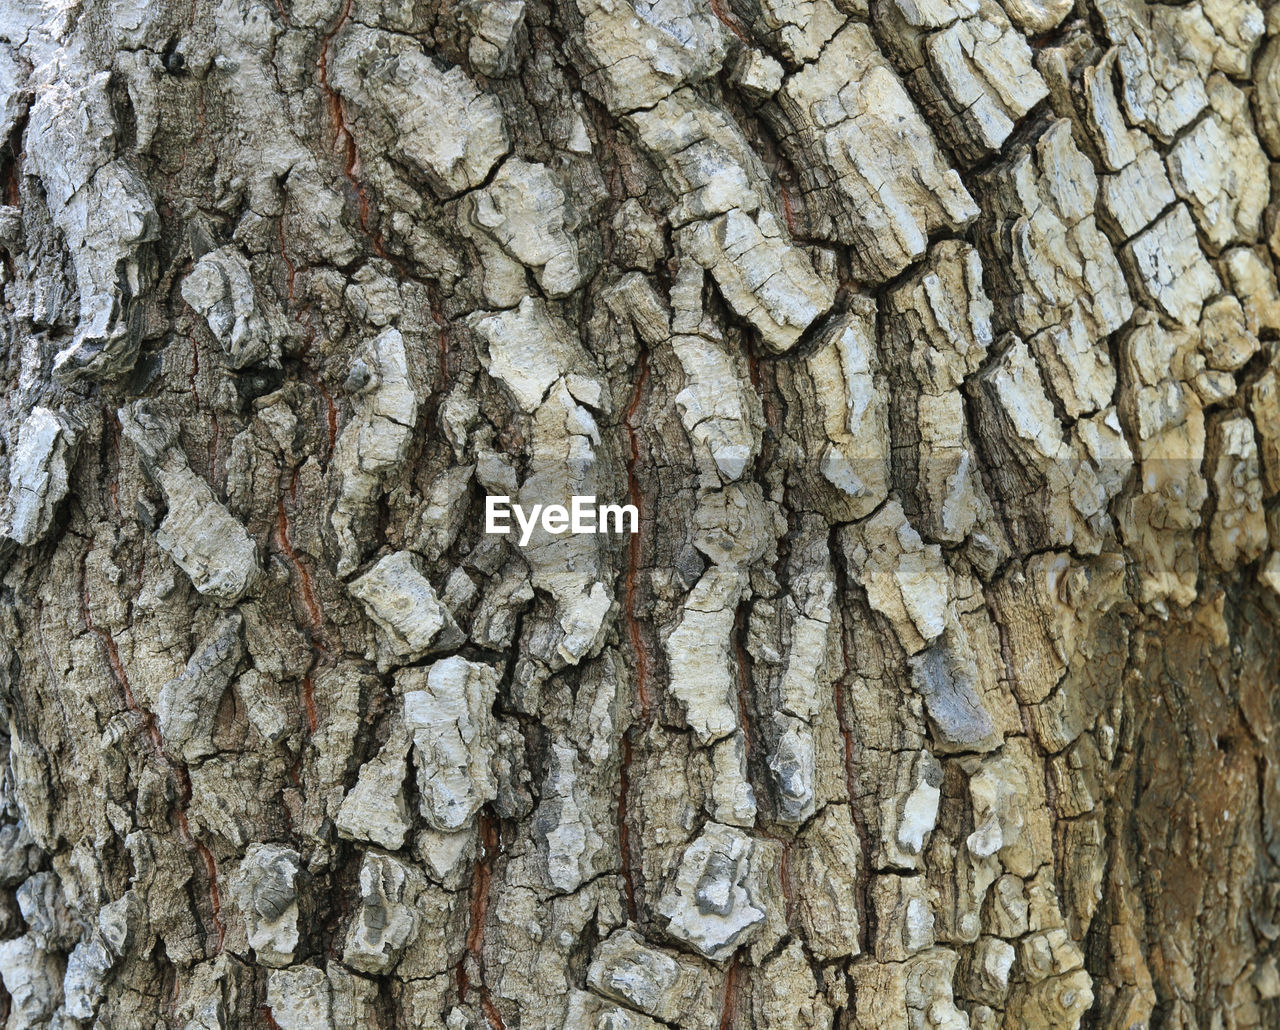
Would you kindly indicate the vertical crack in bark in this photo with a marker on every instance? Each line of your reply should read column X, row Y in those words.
column 788, row 208
column 214, row 438
column 147, row 718
column 178, row 770
column 624, row 830
column 635, row 633
column 113, row 424
column 740, row 617
column 344, row 139
column 314, row 615
column 195, row 364
column 442, row 324
column 330, row 415
column 729, row 1005
column 302, row 315
column 490, row 843
column 635, row 496
column 210, row 864
column 291, row 273
column 862, row 878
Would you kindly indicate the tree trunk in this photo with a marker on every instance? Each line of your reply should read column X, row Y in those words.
column 934, row 346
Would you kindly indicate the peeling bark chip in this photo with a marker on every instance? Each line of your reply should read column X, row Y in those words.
column 640, row 514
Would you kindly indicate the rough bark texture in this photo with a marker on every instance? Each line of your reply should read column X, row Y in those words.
column 935, row 342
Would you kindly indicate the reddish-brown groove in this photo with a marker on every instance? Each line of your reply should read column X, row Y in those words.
column 265, row 1010
column 483, row 873
column 344, row 138
column 177, row 769
column 309, row 702
column 491, row 1014
column 117, row 669
column 211, row 867
column 788, row 883
column 442, row 323
column 788, row 213
column 729, row 1007
column 314, row 615
column 729, row 21
column 323, row 61
column 147, row 719
column 481, row 877
column 13, row 193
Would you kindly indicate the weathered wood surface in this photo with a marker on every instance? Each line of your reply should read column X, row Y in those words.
column 936, row 343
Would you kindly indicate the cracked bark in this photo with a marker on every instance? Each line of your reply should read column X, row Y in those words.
column 937, row 347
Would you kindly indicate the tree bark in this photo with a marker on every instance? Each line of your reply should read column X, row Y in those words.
column 934, row 345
